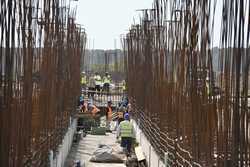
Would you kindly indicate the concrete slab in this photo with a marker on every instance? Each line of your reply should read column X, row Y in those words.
column 86, row 147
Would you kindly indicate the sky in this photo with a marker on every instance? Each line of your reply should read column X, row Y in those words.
column 106, row 20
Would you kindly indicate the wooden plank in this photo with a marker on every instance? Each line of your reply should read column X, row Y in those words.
column 139, row 154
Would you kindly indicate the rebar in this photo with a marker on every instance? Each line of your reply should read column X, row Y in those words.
column 40, row 50
column 190, row 102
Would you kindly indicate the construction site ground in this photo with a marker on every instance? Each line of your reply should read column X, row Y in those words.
column 85, row 148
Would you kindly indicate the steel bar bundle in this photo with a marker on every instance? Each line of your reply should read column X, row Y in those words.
column 191, row 103
column 40, row 50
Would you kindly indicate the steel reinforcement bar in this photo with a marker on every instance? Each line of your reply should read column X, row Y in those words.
column 40, row 50
column 191, row 99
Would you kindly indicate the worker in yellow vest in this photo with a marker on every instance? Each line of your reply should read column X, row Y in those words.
column 208, row 90
column 127, row 133
column 98, row 82
column 123, row 85
column 106, row 82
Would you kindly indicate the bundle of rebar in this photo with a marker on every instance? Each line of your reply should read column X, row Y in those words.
column 191, row 104
column 40, row 50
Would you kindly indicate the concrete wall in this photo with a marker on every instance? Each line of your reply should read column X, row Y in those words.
column 152, row 158
column 64, row 148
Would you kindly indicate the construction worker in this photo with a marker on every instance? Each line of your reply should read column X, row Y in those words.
column 81, row 100
column 83, row 80
column 85, row 107
column 81, row 103
column 109, row 114
column 208, row 90
column 98, row 82
column 93, row 109
column 121, row 113
column 123, row 86
column 106, row 82
column 127, row 133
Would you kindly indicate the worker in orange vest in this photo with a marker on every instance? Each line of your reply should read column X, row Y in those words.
column 93, row 109
column 109, row 114
column 85, row 107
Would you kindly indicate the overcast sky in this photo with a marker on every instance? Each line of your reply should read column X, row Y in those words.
column 106, row 20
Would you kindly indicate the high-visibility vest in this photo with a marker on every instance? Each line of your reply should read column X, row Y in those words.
column 208, row 88
column 123, row 85
column 98, row 80
column 126, row 129
column 91, row 82
column 106, row 80
column 84, row 80
column 109, row 78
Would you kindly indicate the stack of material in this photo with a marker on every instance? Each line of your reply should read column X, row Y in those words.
column 103, row 121
column 98, row 130
column 107, row 154
column 137, row 159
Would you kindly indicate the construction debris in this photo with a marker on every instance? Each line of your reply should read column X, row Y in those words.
column 106, row 154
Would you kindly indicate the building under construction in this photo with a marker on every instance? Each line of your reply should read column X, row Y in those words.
column 189, row 100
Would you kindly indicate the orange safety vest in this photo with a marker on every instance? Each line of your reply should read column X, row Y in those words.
column 85, row 106
column 109, row 113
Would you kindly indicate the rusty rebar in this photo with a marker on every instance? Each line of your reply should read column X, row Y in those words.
column 191, row 99
column 41, row 46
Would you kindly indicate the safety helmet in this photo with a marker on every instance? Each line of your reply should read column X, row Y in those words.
column 126, row 116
